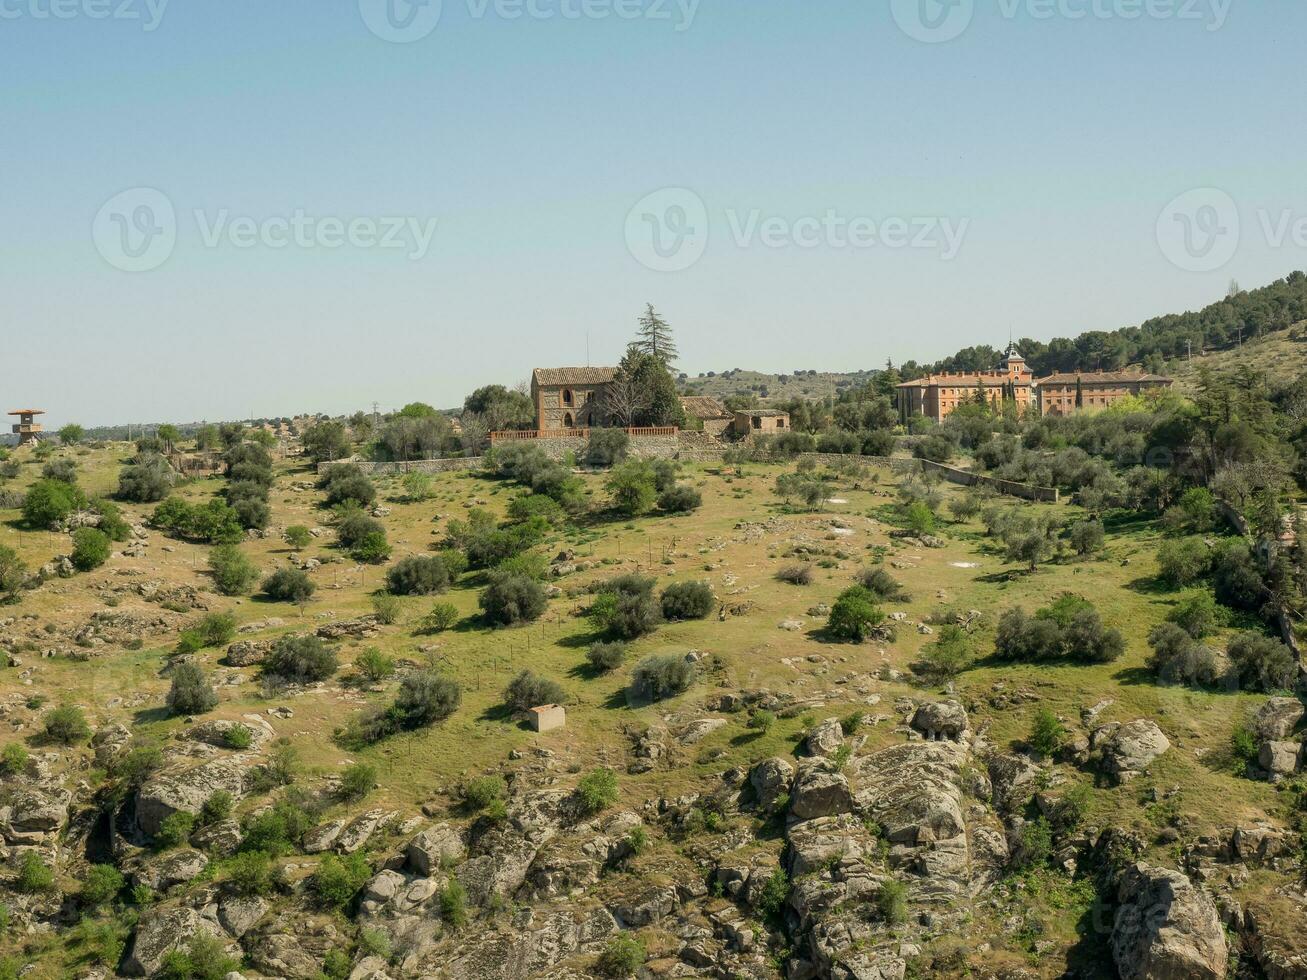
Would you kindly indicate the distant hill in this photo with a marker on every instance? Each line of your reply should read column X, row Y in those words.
column 1282, row 356
column 774, row 387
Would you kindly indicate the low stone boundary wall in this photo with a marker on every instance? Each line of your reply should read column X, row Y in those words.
column 668, row 447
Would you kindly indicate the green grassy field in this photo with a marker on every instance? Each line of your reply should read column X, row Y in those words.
column 738, row 540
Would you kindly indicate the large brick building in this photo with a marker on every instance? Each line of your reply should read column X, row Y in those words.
column 1066, row 394
column 570, row 397
column 937, row 395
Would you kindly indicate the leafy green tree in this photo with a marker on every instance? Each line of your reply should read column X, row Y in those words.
column 631, row 487
column 325, row 441
column 1046, row 733
column 338, row 879
column 621, row 957
column 301, row 659
column 90, row 549
column 71, row 434
column 289, row 585
column 147, row 479
column 66, row 725
column 233, row 573
column 528, row 690
column 597, row 790
column 854, row 615
column 100, row 885
column 511, row 599
column 661, row 676
column 687, row 600
column 50, row 501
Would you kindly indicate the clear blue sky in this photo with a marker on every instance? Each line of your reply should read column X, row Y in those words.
column 1060, row 141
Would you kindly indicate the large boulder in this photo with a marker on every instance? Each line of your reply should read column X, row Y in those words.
column 825, row 738
column 175, row 790
column 247, row 653
column 1279, row 759
column 1277, row 718
column 31, row 815
column 819, row 793
column 158, row 933
column 173, row 868
column 770, row 779
column 430, row 850
column 1166, row 928
column 1129, row 749
column 940, row 720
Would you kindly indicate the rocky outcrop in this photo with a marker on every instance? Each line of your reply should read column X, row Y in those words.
column 825, row 738
column 185, row 789
column 1166, row 928
column 771, row 779
column 818, row 792
column 1277, row 718
column 1128, row 749
column 159, row 932
column 430, row 850
column 940, row 720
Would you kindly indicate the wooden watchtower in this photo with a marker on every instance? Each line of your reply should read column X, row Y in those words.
column 27, row 428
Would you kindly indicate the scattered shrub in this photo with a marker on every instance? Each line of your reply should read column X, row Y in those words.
column 1262, row 664
column 892, row 902
column 190, row 693
column 14, row 759
column 336, row 880
column 795, row 575
column 48, row 502
column 607, row 447
column 233, row 573
column 66, row 725
column 453, row 904
column 687, row 600
column 1183, row 562
column 883, row 586
column 147, row 480
column 442, row 616
column 90, row 549
column 483, row 792
column 512, row 599
column 1199, row 615
column 528, row 690
column 1178, row 658
column 357, row 781
column 1086, row 537
column 100, row 885
column 604, row 657
column 418, row 575
column 174, row 830
column 301, row 659
column 216, row 808
column 631, row 487
column 203, row 959
column 1046, row 733
column 1070, row 628
column 597, row 790
column 251, row 873
column 289, row 585
column 374, row 666
column 622, row 957
column 34, row 875
column 661, row 676
column 298, row 536
column 387, row 609
column 681, row 499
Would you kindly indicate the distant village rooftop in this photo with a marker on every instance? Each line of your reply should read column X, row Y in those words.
column 574, row 375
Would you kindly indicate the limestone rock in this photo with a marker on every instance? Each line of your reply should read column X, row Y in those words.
column 1166, row 928
column 825, row 738
column 1277, row 718
column 1279, row 759
column 158, row 933
column 1130, row 748
column 186, row 790
column 429, row 850
column 770, row 778
column 819, row 793
column 940, row 720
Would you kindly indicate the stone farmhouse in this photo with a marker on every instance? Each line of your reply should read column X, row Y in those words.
column 569, row 397
column 937, row 395
column 572, row 399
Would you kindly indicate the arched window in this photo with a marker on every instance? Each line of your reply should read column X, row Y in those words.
column 567, row 421
column 567, row 396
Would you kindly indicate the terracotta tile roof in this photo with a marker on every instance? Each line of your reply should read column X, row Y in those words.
column 1101, row 377
column 995, row 380
column 574, row 375
column 704, row 407
column 766, row 413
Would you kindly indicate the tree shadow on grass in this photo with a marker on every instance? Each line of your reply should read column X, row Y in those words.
column 149, row 716
column 1134, row 676
column 747, row 737
column 1151, row 585
column 496, row 712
